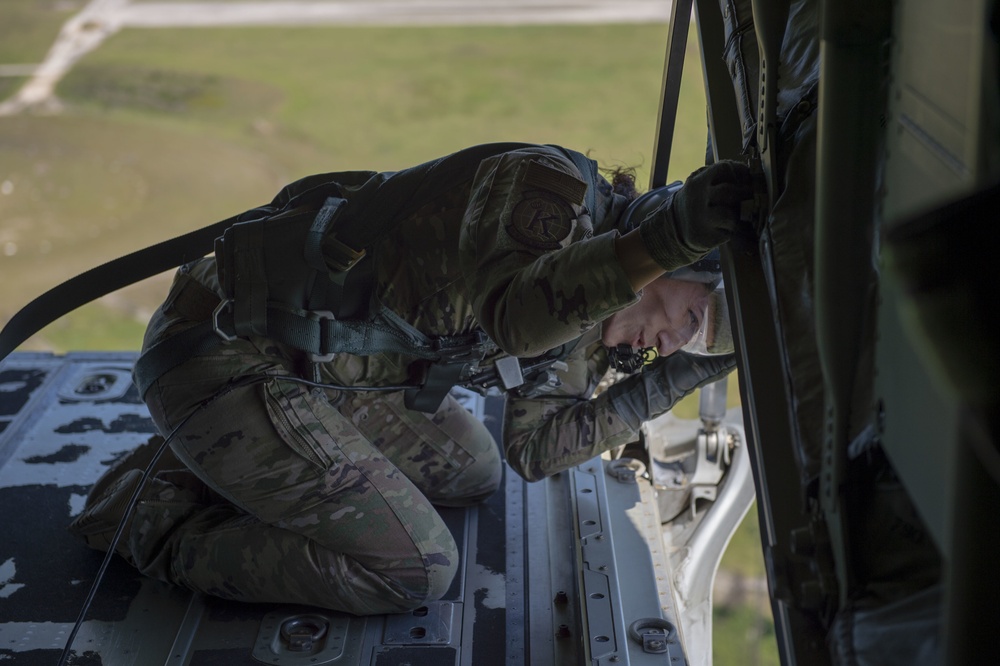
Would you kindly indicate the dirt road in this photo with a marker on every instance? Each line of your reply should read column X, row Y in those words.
column 86, row 30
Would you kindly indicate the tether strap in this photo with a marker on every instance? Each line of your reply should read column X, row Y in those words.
column 250, row 278
column 106, row 278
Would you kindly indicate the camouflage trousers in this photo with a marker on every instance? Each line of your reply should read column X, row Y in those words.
column 320, row 497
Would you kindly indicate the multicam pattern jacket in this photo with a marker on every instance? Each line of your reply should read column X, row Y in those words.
column 512, row 251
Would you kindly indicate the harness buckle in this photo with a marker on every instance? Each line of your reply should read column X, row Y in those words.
column 216, row 327
column 319, row 316
column 340, row 256
column 472, row 347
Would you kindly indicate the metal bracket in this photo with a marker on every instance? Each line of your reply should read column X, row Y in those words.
column 299, row 636
column 219, row 309
column 301, row 632
column 711, row 449
column 712, row 459
column 655, row 634
column 340, row 256
column 509, row 370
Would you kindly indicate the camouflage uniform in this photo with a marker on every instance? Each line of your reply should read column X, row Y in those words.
column 326, row 497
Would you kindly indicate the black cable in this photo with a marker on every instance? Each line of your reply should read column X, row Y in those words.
column 114, row 543
column 339, row 387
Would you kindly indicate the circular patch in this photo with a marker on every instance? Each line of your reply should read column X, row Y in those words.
column 541, row 219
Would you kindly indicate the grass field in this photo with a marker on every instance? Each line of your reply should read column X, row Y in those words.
column 168, row 130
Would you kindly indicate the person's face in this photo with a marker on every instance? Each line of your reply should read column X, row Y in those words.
column 667, row 317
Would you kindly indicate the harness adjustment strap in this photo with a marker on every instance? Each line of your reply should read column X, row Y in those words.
column 171, row 352
column 440, row 379
column 249, row 278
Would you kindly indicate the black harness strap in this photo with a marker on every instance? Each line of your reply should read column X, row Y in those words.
column 250, row 282
column 107, row 278
column 158, row 359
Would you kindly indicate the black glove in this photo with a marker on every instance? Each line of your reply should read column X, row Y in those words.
column 702, row 215
column 664, row 382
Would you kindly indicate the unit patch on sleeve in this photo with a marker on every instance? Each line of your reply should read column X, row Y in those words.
column 541, row 220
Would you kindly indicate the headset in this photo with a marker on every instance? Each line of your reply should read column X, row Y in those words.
column 626, row 358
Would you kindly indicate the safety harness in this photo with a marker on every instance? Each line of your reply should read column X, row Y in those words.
column 298, row 271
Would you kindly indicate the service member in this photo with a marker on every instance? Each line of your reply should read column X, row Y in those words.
column 289, row 479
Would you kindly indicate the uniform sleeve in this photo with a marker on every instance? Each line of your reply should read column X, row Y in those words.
column 536, row 273
column 542, row 436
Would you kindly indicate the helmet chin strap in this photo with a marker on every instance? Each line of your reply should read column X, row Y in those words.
column 626, row 358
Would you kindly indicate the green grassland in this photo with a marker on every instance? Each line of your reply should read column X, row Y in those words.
column 168, row 130
column 743, row 636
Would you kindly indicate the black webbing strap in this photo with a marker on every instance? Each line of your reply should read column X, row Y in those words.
column 107, row 278
column 680, row 23
column 323, row 336
column 249, row 278
column 171, row 352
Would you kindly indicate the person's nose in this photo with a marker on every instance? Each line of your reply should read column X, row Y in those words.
column 672, row 341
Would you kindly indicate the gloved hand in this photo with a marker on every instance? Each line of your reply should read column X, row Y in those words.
column 658, row 388
column 702, row 215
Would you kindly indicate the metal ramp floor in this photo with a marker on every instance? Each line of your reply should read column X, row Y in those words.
column 554, row 572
